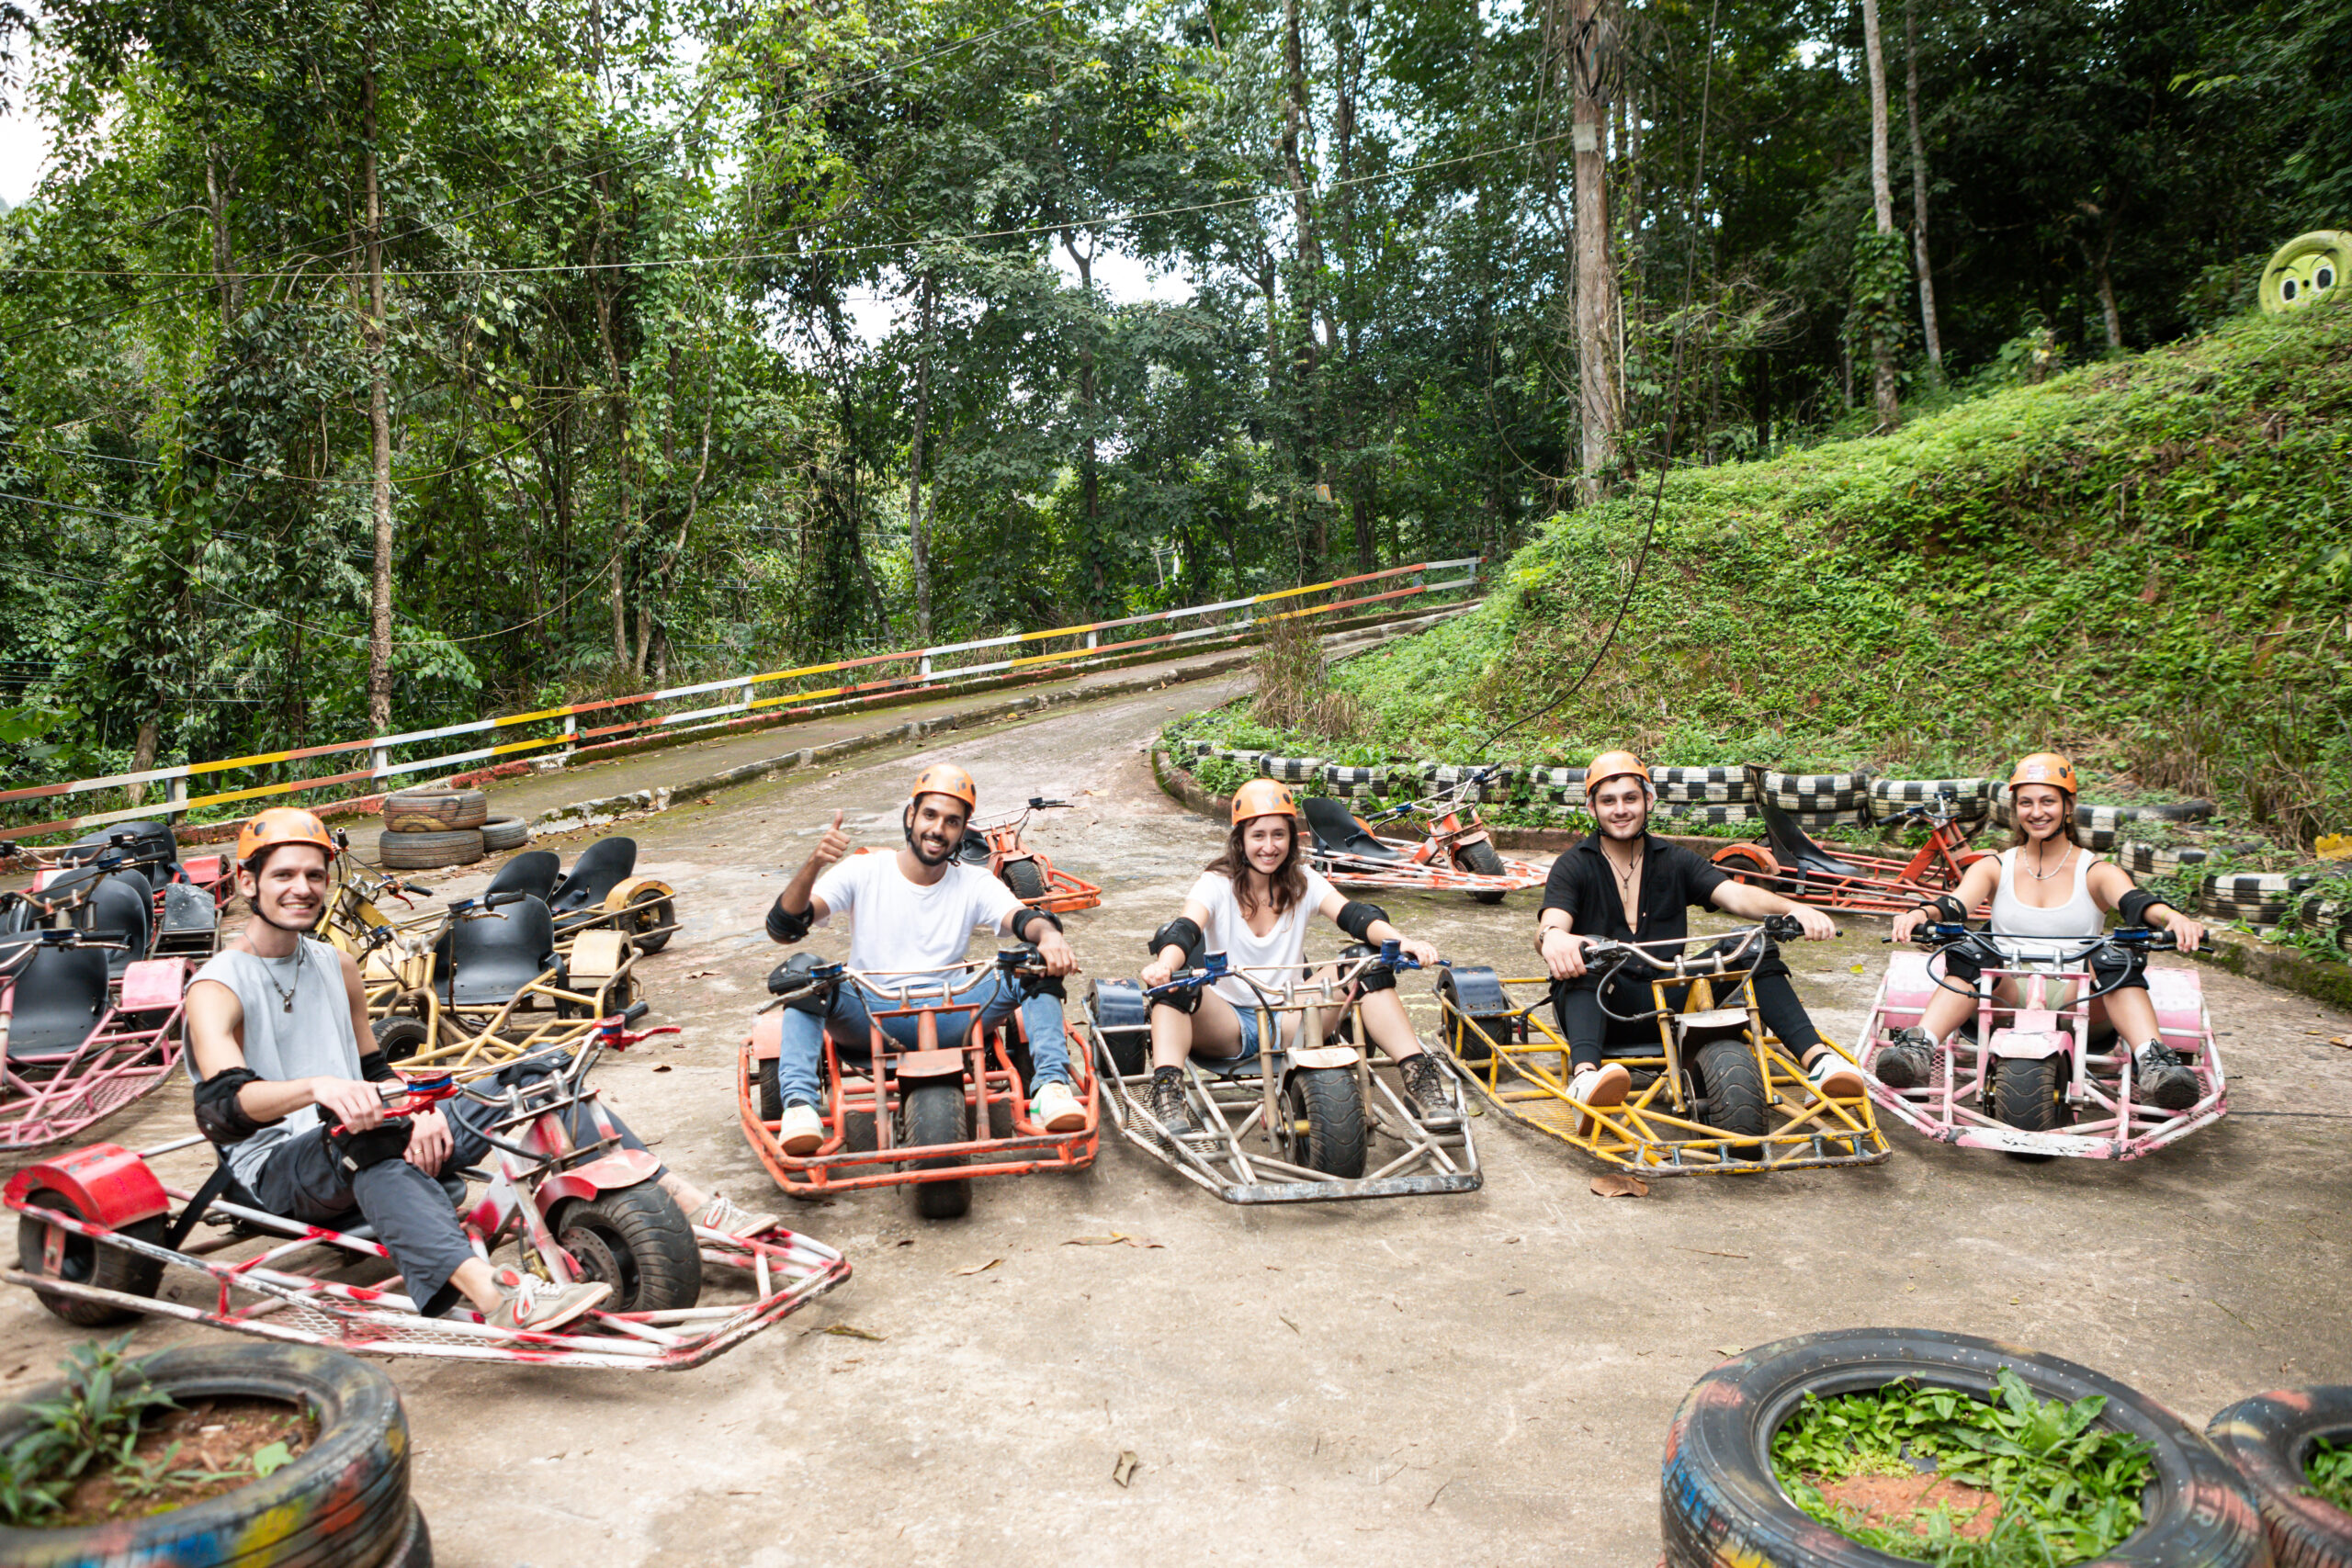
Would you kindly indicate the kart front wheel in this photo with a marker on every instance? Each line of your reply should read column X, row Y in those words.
column 935, row 1114
column 1480, row 860
column 1027, row 879
column 1327, row 1133
column 401, row 1038
column 87, row 1262
column 1736, row 1097
column 771, row 1091
column 637, row 1240
column 2024, row 1095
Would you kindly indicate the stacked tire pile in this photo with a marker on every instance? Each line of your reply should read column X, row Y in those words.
column 429, row 828
column 2101, row 826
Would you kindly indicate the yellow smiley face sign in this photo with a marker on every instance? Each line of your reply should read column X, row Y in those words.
column 2307, row 269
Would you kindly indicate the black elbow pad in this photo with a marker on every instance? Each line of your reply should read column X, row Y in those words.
column 2136, row 905
column 1025, row 925
column 785, row 925
column 376, row 1068
column 218, row 1116
column 1179, row 932
column 1356, row 917
column 1949, row 910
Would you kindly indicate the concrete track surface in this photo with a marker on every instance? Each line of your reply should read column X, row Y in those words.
column 1481, row 1378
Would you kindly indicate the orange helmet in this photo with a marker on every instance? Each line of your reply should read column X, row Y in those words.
column 1614, row 765
column 1263, row 798
column 281, row 825
column 2045, row 768
column 946, row 778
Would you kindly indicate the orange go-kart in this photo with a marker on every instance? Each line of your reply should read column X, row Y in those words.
column 996, row 843
column 1790, row 863
column 953, row 1107
column 1453, row 854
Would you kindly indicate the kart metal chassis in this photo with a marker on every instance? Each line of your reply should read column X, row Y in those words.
column 1064, row 893
column 117, row 1064
column 1876, row 885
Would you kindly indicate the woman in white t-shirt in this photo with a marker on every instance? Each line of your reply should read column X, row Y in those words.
column 1253, row 904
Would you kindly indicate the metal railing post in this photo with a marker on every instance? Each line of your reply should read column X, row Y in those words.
column 176, row 797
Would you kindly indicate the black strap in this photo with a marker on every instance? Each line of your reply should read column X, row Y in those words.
column 220, row 1181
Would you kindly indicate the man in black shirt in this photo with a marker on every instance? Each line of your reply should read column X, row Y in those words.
column 1623, row 885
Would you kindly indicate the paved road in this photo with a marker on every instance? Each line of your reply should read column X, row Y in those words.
column 1482, row 1379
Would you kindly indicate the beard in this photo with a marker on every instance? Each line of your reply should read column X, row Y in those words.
column 915, row 845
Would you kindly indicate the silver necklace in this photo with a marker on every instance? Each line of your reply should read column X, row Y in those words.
column 1626, row 877
column 2046, row 876
column 285, row 993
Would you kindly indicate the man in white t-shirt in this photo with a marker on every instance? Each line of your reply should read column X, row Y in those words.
column 913, row 910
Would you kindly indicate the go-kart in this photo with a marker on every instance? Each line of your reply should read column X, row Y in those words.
column 127, row 885
column 78, row 1042
column 1718, row 1093
column 1291, row 1123
column 1453, row 851
column 2031, row 1081
column 600, row 892
column 1789, row 863
column 97, row 1230
column 953, row 1107
column 149, row 847
column 996, row 843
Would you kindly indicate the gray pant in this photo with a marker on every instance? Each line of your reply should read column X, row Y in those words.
column 413, row 1215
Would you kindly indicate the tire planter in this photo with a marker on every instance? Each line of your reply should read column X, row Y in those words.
column 2328, row 917
column 2255, row 900
column 345, row 1499
column 423, row 852
column 1719, row 1502
column 1701, row 787
column 501, row 833
column 2269, row 1439
column 2164, row 860
column 1291, row 770
column 1818, row 792
column 2306, row 269
column 434, row 810
column 1970, row 798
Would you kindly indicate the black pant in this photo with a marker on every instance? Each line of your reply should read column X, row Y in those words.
column 1577, row 1005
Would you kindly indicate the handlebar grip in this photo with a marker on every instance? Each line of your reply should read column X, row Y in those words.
column 497, row 900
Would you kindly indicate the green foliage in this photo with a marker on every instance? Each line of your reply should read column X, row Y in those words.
column 94, row 1422
column 2069, row 1488
column 2327, row 1474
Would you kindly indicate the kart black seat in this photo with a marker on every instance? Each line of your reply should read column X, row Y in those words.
column 64, row 892
column 533, row 871
column 191, row 921
column 482, row 962
column 123, row 904
column 61, row 993
column 152, row 848
column 232, row 1191
column 601, row 867
column 1792, row 846
column 18, row 915
column 1338, row 832
column 974, row 850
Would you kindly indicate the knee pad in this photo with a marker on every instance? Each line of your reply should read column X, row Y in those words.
column 1186, row 1001
column 1372, row 979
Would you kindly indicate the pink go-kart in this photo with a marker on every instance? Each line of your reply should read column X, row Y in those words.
column 2033, row 1081
column 80, row 1037
column 98, row 1228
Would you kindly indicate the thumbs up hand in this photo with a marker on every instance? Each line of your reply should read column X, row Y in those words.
column 833, row 846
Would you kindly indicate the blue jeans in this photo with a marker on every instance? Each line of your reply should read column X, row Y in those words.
column 848, row 1022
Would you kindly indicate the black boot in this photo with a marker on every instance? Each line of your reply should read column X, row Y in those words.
column 2162, row 1079
column 1425, row 1083
column 1907, row 1059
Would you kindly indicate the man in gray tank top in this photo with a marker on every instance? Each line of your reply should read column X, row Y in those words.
column 275, row 1021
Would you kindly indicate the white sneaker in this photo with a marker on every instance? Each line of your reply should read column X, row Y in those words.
column 801, row 1131
column 534, row 1305
column 1606, row 1084
column 728, row 1217
column 1837, row 1078
column 1055, row 1108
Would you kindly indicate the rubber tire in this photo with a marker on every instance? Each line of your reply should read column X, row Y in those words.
column 401, row 1038
column 415, row 1547
column 1028, row 883
column 424, row 851
column 500, row 834
column 344, row 1499
column 1735, row 1087
column 2269, row 1437
column 90, row 1263
column 664, row 913
column 1332, row 1104
column 435, row 810
column 646, row 1239
column 936, row 1115
column 2025, row 1096
column 1718, row 1502
column 1480, row 860
column 771, row 1092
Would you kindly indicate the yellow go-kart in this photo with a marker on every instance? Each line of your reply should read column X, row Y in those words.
column 1717, row 1093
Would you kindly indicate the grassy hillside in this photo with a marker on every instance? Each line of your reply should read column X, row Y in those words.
column 2147, row 563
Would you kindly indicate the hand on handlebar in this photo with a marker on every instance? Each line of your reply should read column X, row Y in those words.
column 1054, row 948
column 1564, row 953
column 1906, row 924
column 353, row 1102
column 1157, row 972
column 2189, row 935
column 1817, row 926
column 1421, row 953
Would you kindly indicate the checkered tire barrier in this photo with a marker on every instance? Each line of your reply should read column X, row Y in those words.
column 1344, row 783
column 1711, row 815
column 1700, row 786
column 2164, row 860
column 1818, row 792
column 1445, row 775
column 1292, row 770
column 2255, row 900
column 1558, row 786
column 1970, row 798
column 2329, row 918
column 2089, row 815
column 1858, row 816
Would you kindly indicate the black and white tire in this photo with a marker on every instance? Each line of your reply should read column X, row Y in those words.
column 434, row 810
column 1291, row 770
column 1713, row 816
column 1970, row 798
column 2167, row 860
column 1561, row 786
column 1720, row 1502
column 2328, row 917
column 1354, row 783
column 2269, row 1439
column 342, row 1499
column 424, row 851
column 1700, row 786
column 2251, row 899
column 500, row 834
column 1818, row 792
column 1856, row 816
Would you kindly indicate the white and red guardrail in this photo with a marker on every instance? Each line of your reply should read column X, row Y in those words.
column 933, row 667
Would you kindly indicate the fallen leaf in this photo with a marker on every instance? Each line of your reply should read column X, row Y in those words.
column 662, row 1067
column 2343, row 1040
column 710, row 800
column 980, row 1268
column 1516, row 1291
column 1615, row 1185
column 1113, row 1239
column 702, row 973
column 848, row 1331
column 1853, row 969
column 1288, row 1324
column 1732, row 1349
column 909, row 1242
column 1124, row 1470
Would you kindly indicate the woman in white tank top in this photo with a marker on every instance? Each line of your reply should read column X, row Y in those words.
column 1258, row 883
column 2048, row 884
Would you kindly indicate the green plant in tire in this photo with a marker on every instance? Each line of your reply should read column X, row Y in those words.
column 95, row 1424
column 2327, row 1474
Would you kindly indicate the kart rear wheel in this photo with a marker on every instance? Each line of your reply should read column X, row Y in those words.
column 1735, row 1087
column 1326, row 1105
column 637, row 1240
column 1480, row 860
column 2025, row 1096
column 660, row 918
column 771, row 1091
column 1027, row 879
column 88, row 1262
column 935, row 1114
column 401, row 1038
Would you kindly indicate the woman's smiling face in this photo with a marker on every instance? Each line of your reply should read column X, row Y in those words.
column 1266, row 840
column 2041, row 810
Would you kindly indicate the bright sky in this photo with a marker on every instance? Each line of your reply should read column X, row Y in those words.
column 24, row 142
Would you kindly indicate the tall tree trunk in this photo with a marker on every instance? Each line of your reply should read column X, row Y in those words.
column 1090, row 472
column 142, row 756
column 218, row 185
column 917, row 535
column 1592, row 58
column 1882, row 208
column 2107, row 289
column 1930, row 335
column 1306, row 291
column 379, row 429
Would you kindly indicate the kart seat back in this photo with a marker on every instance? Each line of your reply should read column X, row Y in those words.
column 601, row 867
column 1336, row 831
column 191, row 921
column 1907, row 990
column 1792, row 846
column 61, row 994
column 152, row 848
column 2179, row 998
column 482, row 962
column 533, row 871
column 347, row 1222
column 974, row 850
column 121, row 903
column 19, row 915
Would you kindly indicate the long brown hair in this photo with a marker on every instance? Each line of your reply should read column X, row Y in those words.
column 1288, row 882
